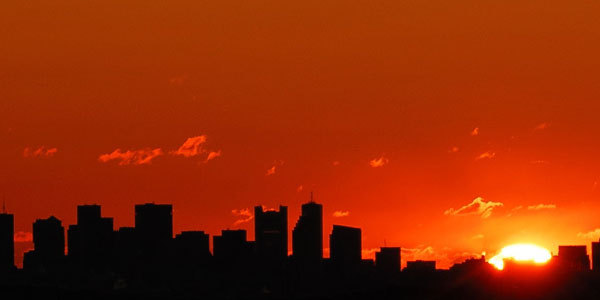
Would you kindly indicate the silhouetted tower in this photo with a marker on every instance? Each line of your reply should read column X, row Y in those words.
column 191, row 248
column 7, row 245
column 307, row 235
column 573, row 258
column 154, row 230
column 231, row 247
column 90, row 241
column 596, row 256
column 345, row 245
column 271, row 233
column 48, row 245
column 387, row 260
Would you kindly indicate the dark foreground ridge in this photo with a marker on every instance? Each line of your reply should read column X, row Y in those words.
column 146, row 262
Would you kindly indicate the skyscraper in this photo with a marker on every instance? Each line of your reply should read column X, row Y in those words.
column 573, row 258
column 90, row 241
column 345, row 245
column 388, row 259
column 48, row 244
column 596, row 256
column 307, row 235
column 154, row 230
column 271, row 233
column 7, row 245
column 191, row 247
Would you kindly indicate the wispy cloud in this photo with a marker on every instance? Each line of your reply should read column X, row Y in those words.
column 245, row 213
column 590, row 235
column 539, row 162
column 135, row 157
column 475, row 131
column 191, row 147
column 212, row 155
column 23, row 237
column 477, row 207
column 541, row 206
column 273, row 169
column 378, row 162
column 542, row 126
column 42, row 151
column 478, row 237
column 487, row 154
column 454, row 149
column 340, row 213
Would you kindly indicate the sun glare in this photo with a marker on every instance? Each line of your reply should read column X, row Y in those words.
column 521, row 252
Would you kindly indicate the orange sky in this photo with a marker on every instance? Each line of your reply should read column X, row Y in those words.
column 373, row 105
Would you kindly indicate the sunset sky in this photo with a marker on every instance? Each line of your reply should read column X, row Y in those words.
column 448, row 128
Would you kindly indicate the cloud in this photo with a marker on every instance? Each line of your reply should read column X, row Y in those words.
column 542, row 126
column 540, row 162
column 378, row 162
column 212, row 155
column 487, row 154
column 541, row 206
column 478, row 237
column 477, row 207
column 136, row 157
column 39, row 152
column 191, row 147
column 454, row 149
column 23, row 237
column 591, row 235
column 273, row 169
column 475, row 131
column 244, row 213
column 339, row 213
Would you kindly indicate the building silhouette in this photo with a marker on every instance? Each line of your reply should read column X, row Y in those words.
column 90, row 241
column 387, row 260
column 307, row 235
column 231, row 247
column 573, row 258
column 154, row 231
column 420, row 266
column 270, row 229
column 192, row 248
column 48, row 245
column 596, row 256
column 7, row 245
column 345, row 245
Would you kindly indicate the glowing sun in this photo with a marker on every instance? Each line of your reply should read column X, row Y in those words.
column 521, row 252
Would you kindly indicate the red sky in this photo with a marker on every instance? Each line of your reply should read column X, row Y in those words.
column 395, row 113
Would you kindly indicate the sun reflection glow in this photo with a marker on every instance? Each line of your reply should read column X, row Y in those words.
column 521, row 252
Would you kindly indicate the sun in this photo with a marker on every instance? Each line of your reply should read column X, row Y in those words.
column 521, row 252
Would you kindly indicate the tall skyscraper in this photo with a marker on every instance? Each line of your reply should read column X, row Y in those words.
column 154, row 230
column 7, row 245
column 271, row 233
column 307, row 235
column 388, row 259
column 48, row 244
column 596, row 256
column 90, row 241
column 345, row 245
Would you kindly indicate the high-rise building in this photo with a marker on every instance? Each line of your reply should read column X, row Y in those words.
column 345, row 245
column 48, row 244
column 231, row 247
column 90, row 241
column 271, row 233
column 388, row 259
column 307, row 235
column 191, row 247
column 7, row 246
column 154, row 230
column 573, row 258
column 596, row 256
